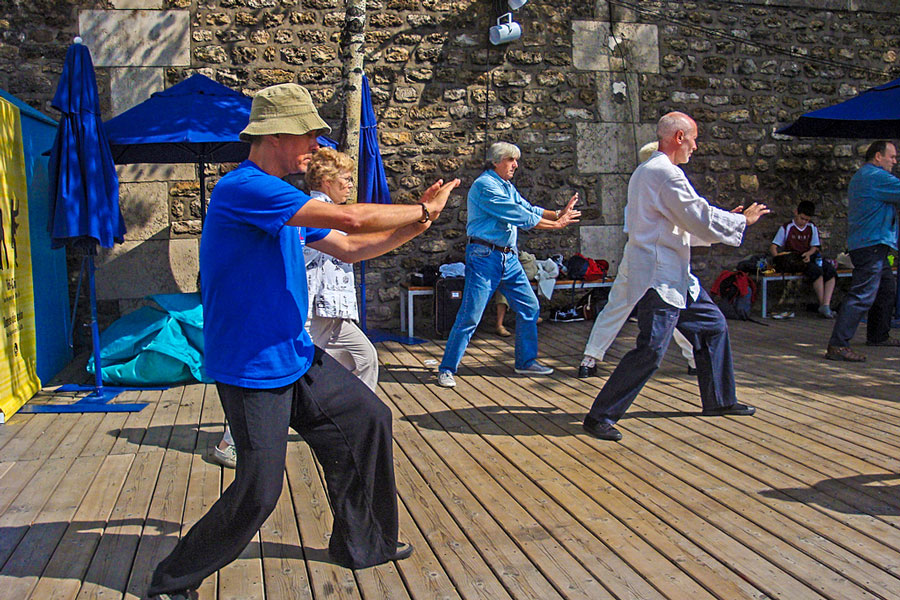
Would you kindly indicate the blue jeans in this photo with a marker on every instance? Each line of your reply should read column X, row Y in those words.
column 702, row 323
column 486, row 271
column 872, row 289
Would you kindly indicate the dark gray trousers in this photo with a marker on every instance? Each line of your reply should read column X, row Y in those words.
column 702, row 323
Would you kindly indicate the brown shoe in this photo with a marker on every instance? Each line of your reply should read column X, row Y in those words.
column 885, row 342
column 844, row 353
column 503, row 331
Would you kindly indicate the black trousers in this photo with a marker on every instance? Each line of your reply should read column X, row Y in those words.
column 349, row 431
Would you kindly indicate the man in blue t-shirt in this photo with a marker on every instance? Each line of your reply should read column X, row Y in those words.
column 268, row 374
column 873, row 196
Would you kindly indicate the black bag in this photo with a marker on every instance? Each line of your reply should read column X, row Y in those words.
column 448, row 293
column 731, row 300
column 590, row 304
column 789, row 262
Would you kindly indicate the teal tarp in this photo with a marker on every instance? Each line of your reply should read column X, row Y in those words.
column 153, row 346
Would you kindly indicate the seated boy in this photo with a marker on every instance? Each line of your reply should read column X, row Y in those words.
column 800, row 237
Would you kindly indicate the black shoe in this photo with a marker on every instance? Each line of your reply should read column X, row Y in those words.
column 404, row 550
column 735, row 409
column 601, row 431
column 692, row 371
column 585, row 372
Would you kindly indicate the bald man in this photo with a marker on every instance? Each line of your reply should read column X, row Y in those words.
column 664, row 218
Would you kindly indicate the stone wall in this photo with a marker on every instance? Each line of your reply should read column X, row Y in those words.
column 579, row 92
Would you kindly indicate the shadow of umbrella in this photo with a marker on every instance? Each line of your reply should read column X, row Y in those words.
column 84, row 203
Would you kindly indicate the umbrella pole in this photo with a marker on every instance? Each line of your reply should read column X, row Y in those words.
column 98, row 395
column 362, row 293
column 202, row 191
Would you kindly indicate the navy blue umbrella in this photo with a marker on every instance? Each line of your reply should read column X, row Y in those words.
column 874, row 114
column 195, row 121
column 85, row 199
column 373, row 187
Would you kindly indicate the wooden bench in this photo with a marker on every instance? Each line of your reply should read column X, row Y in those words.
column 408, row 293
column 765, row 279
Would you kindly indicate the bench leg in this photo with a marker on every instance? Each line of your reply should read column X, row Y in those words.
column 411, row 330
column 404, row 294
column 765, row 295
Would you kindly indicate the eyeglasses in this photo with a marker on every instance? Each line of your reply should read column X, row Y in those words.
column 346, row 180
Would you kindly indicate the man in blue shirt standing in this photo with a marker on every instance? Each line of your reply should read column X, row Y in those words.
column 873, row 196
column 496, row 211
column 269, row 375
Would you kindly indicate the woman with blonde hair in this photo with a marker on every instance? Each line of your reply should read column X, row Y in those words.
column 332, row 287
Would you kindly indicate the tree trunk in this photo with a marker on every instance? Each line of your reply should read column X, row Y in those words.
column 352, row 54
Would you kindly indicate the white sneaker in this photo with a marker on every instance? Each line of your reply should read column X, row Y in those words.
column 226, row 457
column 535, row 368
column 445, row 379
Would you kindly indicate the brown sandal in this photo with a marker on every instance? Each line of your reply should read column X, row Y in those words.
column 844, row 353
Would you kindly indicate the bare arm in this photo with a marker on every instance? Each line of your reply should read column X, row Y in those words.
column 355, row 247
column 368, row 218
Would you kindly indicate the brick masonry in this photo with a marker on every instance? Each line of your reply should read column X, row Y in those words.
column 579, row 92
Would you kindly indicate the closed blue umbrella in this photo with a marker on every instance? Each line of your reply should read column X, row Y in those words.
column 85, row 200
column 373, row 187
column 874, row 114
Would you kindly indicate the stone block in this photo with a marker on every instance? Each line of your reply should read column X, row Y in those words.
column 618, row 96
column 610, row 147
column 153, row 172
column 137, row 269
column 145, row 207
column 130, row 86
column 111, row 35
column 137, row 4
column 603, row 241
column 613, row 195
column 596, row 47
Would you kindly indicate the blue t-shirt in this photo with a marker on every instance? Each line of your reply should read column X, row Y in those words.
column 253, row 281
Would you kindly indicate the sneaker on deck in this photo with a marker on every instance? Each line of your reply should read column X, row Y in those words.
column 445, row 379
column 535, row 368
column 826, row 311
column 226, row 457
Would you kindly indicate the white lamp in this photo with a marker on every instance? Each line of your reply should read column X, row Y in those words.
column 505, row 31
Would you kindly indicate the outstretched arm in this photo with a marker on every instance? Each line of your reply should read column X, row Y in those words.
column 560, row 218
column 367, row 218
column 355, row 247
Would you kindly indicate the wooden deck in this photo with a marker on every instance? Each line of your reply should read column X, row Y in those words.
column 500, row 492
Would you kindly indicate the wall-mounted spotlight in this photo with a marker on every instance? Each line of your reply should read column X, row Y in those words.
column 517, row 4
column 505, row 31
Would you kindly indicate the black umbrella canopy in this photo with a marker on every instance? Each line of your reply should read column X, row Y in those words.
column 873, row 114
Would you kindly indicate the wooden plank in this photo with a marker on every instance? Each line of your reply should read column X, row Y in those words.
column 78, row 436
column 423, row 572
column 132, row 434
column 26, row 436
column 15, row 479
column 327, row 580
column 282, row 551
column 104, row 437
column 241, row 579
column 62, row 577
column 586, row 509
column 161, row 424
column 22, row 571
column 18, row 516
column 163, row 525
column 110, row 567
column 11, row 428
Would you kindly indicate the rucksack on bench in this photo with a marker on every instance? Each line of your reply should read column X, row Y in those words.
column 734, row 292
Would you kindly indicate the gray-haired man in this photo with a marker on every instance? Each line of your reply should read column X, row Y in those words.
column 496, row 211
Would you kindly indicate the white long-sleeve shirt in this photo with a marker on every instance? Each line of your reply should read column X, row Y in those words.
column 664, row 217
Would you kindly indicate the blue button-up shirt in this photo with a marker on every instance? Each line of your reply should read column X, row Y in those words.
column 873, row 196
column 496, row 210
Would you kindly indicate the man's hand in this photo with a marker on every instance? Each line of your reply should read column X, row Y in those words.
column 569, row 215
column 752, row 213
column 435, row 197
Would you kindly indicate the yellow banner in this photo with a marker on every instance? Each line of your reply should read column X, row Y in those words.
column 18, row 346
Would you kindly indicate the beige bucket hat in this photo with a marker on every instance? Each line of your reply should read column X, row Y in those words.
column 284, row 108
